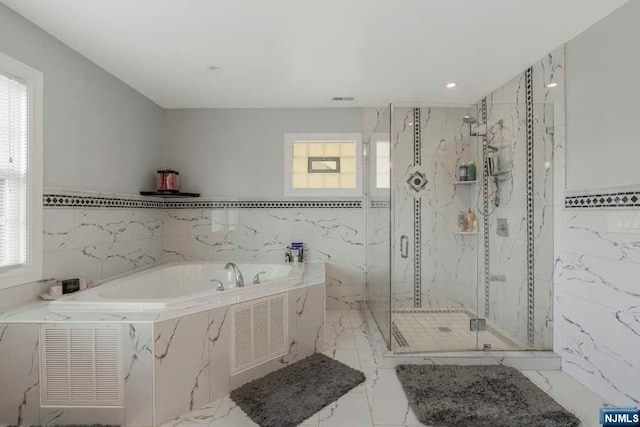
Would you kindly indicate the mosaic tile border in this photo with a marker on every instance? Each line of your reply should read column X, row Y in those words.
column 76, row 201
column 379, row 204
column 485, row 207
column 98, row 202
column 613, row 199
column 266, row 204
column 417, row 214
column 530, row 207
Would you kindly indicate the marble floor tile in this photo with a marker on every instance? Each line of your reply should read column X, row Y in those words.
column 351, row 410
column 339, row 337
column 380, row 401
column 387, row 400
column 347, row 356
column 200, row 417
column 574, row 396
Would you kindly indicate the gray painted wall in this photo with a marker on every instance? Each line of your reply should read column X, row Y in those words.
column 239, row 152
column 603, row 125
column 99, row 133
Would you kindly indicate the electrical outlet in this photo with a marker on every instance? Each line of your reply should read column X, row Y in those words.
column 623, row 222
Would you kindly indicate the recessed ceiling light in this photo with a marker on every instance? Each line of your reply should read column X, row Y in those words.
column 451, row 85
column 214, row 68
column 552, row 84
column 410, row 123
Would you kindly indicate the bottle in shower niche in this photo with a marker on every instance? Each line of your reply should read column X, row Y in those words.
column 471, row 221
column 462, row 172
column 471, row 171
column 462, row 221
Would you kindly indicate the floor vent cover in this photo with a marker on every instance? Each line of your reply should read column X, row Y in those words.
column 259, row 331
column 81, row 365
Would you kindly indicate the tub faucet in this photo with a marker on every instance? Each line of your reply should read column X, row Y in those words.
column 220, row 287
column 237, row 274
column 256, row 279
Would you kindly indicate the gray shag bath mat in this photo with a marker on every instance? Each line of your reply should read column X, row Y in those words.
column 290, row 395
column 491, row 396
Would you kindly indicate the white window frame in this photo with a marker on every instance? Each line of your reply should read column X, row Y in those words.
column 374, row 190
column 33, row 78
column 290, row 138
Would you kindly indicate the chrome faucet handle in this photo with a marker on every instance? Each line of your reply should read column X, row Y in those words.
column 256, row 278
column 220, row 287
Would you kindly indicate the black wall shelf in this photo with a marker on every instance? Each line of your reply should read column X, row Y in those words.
column 169, row 194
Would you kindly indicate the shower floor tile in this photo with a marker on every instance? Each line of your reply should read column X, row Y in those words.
column 425, row 330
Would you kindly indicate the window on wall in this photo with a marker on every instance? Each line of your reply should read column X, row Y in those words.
column 20, row 173
column 323, row 164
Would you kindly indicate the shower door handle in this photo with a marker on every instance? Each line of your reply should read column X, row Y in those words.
column 404, row 246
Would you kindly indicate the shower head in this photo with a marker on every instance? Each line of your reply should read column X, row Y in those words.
column 470, row 120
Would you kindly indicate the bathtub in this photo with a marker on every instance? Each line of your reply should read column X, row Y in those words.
column 175, row 286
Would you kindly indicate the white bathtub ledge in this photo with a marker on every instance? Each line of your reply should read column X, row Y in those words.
column 40, row 312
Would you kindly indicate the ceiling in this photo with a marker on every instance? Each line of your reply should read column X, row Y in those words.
column 296, row 53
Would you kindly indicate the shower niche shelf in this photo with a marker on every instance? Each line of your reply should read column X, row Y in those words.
column 464, row 182
column 466, row 233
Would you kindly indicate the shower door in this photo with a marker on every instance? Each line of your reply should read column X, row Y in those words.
column 433, row 253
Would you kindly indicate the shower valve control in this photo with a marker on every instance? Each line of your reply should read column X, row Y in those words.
column 623, row 222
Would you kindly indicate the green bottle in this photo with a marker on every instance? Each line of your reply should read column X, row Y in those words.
column 471, row 171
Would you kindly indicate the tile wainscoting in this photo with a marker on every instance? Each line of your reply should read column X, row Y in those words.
column 335, row 236
column 600, row 321
column 96, row 236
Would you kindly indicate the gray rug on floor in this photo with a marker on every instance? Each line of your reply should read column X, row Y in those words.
column 491, row 396
column 290, row 395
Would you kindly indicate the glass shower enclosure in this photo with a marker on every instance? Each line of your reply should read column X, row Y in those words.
column 459, row 214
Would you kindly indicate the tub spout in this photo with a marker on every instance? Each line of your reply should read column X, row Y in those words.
column 236, row 273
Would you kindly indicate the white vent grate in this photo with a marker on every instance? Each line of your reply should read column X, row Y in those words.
column 259, row 331
column 81, row 365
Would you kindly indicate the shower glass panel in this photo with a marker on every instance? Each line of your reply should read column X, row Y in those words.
column 516, row 281
column 378, row 219
column 458, row 262
column 434, row 232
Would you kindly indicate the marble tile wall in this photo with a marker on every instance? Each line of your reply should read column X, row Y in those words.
column 138, row 342
column 93, row 244
column 98, row 243
column 191, row 354
column 19, row 374
column 506, row 112
column 599, row 325
column 448, row 260
column 335, row 236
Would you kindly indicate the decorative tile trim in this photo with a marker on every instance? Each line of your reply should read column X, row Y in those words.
column 75, row 201
column 380, row 204
column 417, row 251
column 417, row 214
column 614, row 199
column 417, row 137
column 97, row 202
column 485, row 207
column 530, row 208
column 266, row 204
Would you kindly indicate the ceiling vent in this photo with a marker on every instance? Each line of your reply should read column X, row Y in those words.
column 343, row 98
